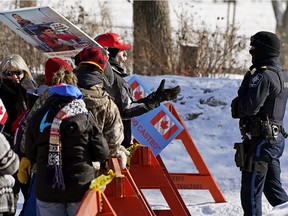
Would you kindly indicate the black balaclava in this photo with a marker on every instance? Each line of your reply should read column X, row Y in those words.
column 266, row 45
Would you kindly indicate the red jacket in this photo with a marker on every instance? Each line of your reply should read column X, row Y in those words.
column 53, row 42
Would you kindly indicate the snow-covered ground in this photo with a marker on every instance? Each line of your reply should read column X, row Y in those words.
column 214, row 133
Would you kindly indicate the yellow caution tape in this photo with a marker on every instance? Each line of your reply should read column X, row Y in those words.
column 131, row 149
column 99, row 183
column 100, row 202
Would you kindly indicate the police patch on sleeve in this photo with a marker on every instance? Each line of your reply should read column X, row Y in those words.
column 255, row 80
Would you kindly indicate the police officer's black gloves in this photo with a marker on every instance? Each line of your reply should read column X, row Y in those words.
column 154, row 99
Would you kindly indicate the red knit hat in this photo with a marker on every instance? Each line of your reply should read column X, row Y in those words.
column 93, row 55
column 112, row 40
column 52, row 66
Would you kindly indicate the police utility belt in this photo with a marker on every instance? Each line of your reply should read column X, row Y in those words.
column 256, row 127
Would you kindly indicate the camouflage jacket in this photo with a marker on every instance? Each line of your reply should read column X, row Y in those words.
column 106, row 114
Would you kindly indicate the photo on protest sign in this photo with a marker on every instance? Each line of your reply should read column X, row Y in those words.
column 156, row 128
column 47, row 30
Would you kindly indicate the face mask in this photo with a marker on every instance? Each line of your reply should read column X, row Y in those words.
column 257, row 55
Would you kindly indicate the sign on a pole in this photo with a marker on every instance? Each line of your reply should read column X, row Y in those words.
column 156, row 128
column 48, row 31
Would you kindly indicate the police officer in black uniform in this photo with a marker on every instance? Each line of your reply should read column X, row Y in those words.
column 260, row 106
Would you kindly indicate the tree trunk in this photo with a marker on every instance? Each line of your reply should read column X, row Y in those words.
column 188, row 65
column 25, row 3
column 281, row 30
column 152, row 48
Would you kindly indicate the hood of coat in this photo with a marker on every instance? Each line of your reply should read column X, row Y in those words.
column 72, row 126
column 87, row 76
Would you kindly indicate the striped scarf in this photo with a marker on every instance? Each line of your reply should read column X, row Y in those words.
column 55, row 174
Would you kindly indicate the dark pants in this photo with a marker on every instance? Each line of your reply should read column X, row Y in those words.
column 29, row 206
column 19, row 186
column 254, row 183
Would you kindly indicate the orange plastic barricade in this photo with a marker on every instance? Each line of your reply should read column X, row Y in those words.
column 121, row 196
column 202, row 180
column 148, row 173
column 124, row 195
column 94, row 201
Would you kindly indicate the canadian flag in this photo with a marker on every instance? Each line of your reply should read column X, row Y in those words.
column 3, row 113
column 164, row 125
column 137, row 91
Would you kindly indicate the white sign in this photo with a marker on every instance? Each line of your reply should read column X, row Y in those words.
column 48, row 31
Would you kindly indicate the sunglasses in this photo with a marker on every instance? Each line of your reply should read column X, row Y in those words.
column 11, row 73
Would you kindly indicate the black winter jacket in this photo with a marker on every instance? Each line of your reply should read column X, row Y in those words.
column 121, row 91
column 265, row 95
column 82, row 143
column 14, row 99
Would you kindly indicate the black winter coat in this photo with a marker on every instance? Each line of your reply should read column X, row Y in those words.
column 82, row 143
column 121, row 92
column 14, row 99
column 266, row 93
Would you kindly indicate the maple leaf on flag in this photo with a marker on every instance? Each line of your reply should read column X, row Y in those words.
column 138, row 95
column 1, row 110
column 164, row 124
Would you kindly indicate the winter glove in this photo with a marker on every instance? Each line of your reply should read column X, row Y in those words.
column 167, row 94
column 154, row 99
column 122, row 155
column 24, row 170
column 96, row 165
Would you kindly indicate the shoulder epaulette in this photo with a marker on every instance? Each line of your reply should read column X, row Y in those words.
column 275, row 71
column 270, row 68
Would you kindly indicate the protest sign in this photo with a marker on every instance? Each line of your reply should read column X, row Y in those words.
column 3, row 115
column 48, row 31
column 158, row 127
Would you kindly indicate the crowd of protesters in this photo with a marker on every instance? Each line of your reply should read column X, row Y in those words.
column 58, row 134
